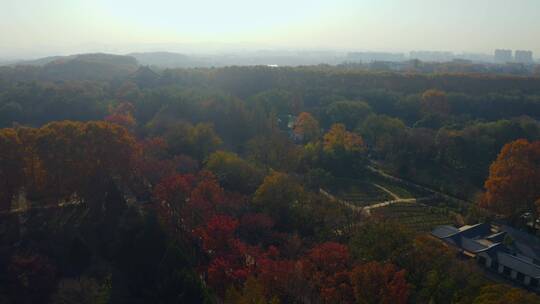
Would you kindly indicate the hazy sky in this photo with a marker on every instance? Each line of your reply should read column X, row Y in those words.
column 42, row 27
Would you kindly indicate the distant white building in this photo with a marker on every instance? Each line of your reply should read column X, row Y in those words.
column 503, row 56
column 524, row 57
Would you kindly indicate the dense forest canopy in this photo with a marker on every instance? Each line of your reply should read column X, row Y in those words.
column 120, row 183
column 481, row 111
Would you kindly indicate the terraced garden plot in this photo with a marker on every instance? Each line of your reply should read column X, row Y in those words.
column 397, row 190
column 415, row 216
column 401, row 190
column 361, row 193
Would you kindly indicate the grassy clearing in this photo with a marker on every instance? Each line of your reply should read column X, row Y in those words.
column 398, row 188
column 360, row 193
column 363, row 192
column 415, row 216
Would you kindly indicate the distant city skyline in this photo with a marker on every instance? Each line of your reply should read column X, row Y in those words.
column 215, row 49
column 37, row 28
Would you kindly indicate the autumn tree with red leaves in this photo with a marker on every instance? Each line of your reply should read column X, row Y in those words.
column 326, row 268
column 206, row 200
column 151, row 162
column 231, row 261
column 170, row 196
column 218, row 234
column 186, row 201
column 379, row 283
column 281, row 278
column 513, row 185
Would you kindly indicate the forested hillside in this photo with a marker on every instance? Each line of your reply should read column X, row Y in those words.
column 123, row 184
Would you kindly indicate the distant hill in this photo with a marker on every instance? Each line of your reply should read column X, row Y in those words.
column 40, row 61
column 4, row 62
column 168, row 60
column 91, row 67
column 144, row 76
column 95, row 67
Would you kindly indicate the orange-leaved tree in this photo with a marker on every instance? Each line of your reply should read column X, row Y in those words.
column 339, row 139
column 513, row 186
column 122, row 115
column 344, row 152
column 307, row 127
column 435, row 102
column 83, row 158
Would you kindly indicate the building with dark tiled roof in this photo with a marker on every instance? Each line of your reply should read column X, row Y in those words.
column 502, row 249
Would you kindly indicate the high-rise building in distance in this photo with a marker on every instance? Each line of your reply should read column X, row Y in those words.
column 524, row 57
column 503, row 56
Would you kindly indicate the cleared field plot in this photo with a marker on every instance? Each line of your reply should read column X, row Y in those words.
column 360, row 193
column 415, row 216
column 401, row 190
column 398, row 190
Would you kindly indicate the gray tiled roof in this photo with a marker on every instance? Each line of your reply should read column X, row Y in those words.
column 523, row 242
column 519, row 255
column 475, row 231
column 465, row 231
column 497, row 237
column 444, row 231
column 464, row 238
column 472, row 245
column 518, row 264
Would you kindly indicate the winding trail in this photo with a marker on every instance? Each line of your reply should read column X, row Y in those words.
column 344, row 203
column 392, row 194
